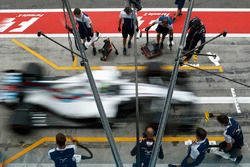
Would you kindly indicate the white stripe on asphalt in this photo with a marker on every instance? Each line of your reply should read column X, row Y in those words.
column 119, row 9
column 221, row 100
column 236, row 103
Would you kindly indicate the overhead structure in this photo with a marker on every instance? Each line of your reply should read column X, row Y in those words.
column 167, row 104
column 98, row 101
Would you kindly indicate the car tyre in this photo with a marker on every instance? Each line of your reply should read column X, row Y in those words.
column 153, row 69
column 20, row 121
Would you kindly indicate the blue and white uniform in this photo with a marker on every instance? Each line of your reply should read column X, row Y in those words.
column 162, row 18
column 233, row 134
column 84, row 26
column 63, row 157
column 197, row 152
column 146, row 148
column 127, row 24
column 164, row 28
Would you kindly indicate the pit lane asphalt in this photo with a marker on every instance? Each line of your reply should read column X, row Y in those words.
column 235, row 61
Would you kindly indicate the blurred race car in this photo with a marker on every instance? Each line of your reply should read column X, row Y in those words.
column 68, row 101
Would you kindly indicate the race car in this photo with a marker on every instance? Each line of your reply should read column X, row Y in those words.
column 68, row 101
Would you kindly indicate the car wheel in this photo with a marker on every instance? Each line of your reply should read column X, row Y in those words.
column 20, row 121
column 153, row 69
column 125, row 109
column 153, row 73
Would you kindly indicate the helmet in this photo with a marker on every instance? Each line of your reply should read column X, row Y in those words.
column 196, row 23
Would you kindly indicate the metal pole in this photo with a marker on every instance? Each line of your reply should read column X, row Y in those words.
column 229, row 79
column 136, row 91
column 207, row 55
column 167, row 104
column 104, row 119
column 39, row 33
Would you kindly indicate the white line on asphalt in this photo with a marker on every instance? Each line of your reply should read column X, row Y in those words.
column 215, row 60
column 119, row 9
column 236, row 103
column 115, row 35
column 222, row 100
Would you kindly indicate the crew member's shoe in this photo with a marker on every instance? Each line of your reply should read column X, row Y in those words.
column 179, row 14
column 170, row 165
column 238, row 159
column 124, row 51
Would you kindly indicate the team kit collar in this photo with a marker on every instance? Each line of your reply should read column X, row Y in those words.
column 80, row 19
column 200, row 142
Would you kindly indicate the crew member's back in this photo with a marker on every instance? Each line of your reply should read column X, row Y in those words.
column 62, row 155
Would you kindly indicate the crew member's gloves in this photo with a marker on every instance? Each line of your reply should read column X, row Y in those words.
column 88, row 38
column 73, row 140
column 69, row 28
column 119, row 29
column 147, row 28
column 197, row 51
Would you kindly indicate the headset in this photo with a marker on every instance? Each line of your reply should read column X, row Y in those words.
column 137, row 4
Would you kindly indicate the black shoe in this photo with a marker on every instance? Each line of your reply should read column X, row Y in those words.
column 179, row 14
column 170, row 165
column 129, row 44
column 238, row 159
column 124, row 51
column 94, row 51
column 161, row 46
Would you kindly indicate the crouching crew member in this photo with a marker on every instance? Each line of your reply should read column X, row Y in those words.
column 165, row 27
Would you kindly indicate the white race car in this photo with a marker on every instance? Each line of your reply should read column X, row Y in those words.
column 70, row 99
